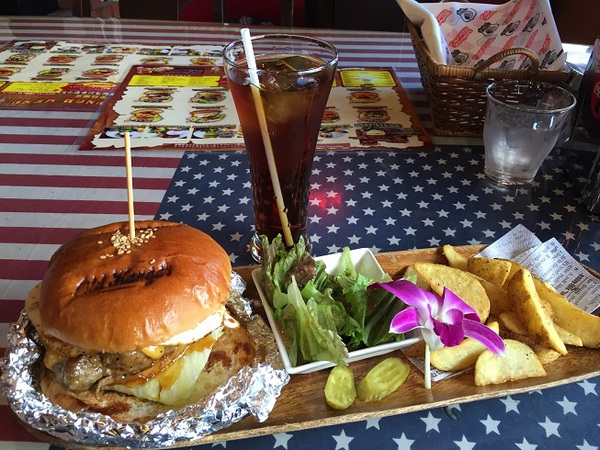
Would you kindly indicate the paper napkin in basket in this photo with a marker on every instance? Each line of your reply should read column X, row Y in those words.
column 467, row 34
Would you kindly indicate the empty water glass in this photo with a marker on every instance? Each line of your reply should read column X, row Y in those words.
column 523, row 122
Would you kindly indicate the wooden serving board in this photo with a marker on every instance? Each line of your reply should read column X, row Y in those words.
column 302, row 403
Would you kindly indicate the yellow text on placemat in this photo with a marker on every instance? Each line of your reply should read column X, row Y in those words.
column 36, row 88
column 376, row 78
column 174, row 80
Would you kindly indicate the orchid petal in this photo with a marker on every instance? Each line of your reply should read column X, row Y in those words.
column 406, row 320
column 453, row 301
column 402, row 288
column 431, row 339
column 451, row 334
column 488, row 337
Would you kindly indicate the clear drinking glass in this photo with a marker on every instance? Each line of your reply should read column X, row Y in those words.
column 295, row 74
column 524, row 120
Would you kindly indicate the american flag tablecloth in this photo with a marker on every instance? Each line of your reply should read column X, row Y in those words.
column 49, row 191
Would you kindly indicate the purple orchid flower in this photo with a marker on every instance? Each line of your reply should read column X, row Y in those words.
column 443, row 321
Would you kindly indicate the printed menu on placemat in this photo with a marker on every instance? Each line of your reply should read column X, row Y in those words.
column 190, row 107
column 80, row 76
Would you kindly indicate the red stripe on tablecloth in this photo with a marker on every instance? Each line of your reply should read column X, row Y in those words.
column 10, row 310
column 79, row 159
column 77, row 206
column 46, row 122
column 37, row 139
column 23, row 270
column 11, row 429
column 37, row 235
column 129, row 27
column 85, row 182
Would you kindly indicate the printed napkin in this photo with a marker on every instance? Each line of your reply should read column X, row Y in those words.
column 467, row 34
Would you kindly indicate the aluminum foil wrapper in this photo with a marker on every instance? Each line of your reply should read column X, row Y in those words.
column 253, row 391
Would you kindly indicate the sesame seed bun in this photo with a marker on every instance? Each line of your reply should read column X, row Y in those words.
column 103, row 293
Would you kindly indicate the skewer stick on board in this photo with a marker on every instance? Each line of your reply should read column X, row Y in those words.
column 129, row 185
column 264, row 131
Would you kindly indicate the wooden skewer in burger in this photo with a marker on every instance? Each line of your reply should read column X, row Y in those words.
column 132, row 319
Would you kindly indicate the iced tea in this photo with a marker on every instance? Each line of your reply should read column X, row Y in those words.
column 294, row 89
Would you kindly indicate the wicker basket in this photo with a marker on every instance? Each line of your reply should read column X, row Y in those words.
column 456, row 95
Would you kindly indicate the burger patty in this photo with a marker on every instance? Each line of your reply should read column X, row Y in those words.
column 82, row 372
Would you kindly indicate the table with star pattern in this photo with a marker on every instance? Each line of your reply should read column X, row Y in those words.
column 392, row 201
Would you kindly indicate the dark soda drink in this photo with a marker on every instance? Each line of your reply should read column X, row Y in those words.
column 294, row 89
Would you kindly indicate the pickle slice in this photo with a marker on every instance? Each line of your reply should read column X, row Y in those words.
column 383, row 379
column 340, row 391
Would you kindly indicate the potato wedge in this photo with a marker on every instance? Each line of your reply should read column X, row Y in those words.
column 500, row 301
column 454, row 258
column 519, row 362
column 545, row 355
column 495, row 271
column 514, row 268
column 410, row 271
column 463, row 284
column 530, row 310
column 459, row 357
column 569, row 317
column 510, row 321
column 568, row 337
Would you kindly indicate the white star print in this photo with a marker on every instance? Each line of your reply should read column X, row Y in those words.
column 281, row 440
column 586, row 446
column 236, row 237
column 464, row 444
column 491, row 425
column 394, row 240
column 431, row 422
column 410, row 231
column 511, row 404
column 588, row 388
column 568, row 406
column 332, row 229
column 372, row 423
column 550, row 427
column 403, row 442
column 433, row 242
column 218, row 226
column 342, row 441
column 354, row 239
column 525, row 445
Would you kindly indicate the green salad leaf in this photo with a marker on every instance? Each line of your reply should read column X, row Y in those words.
column 322, row 316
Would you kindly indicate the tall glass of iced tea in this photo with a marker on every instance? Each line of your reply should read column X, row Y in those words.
column 295, row 74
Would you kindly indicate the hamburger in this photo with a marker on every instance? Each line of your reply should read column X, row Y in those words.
column 132, row 327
